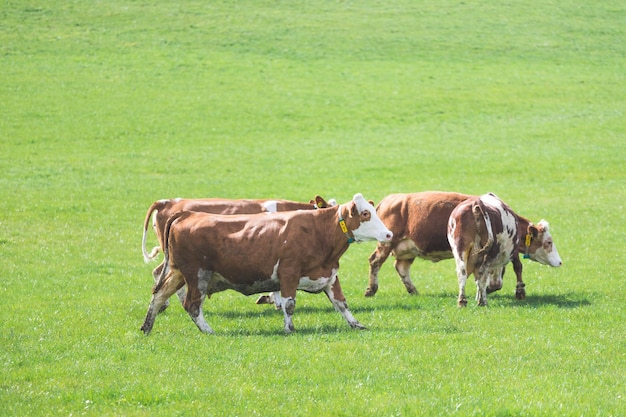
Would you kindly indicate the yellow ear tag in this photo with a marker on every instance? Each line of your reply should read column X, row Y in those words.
column 342, row 224
column 319, row 204
column 528, row 238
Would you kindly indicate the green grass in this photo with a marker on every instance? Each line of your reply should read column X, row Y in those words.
column 108, row 106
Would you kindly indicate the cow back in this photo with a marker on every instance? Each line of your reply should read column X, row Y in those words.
column 421, row 217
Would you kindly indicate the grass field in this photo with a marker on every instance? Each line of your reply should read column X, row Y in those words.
column 107, row 106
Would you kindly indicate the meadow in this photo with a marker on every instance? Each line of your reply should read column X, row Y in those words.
column 106, row 106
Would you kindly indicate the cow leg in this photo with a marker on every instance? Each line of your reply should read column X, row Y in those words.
column 278, row 302
column 196, row 294
column 172, row 282
column 482, row 275
column 156, row 273
column 203, row 276
column 288, row 290
column 336, row 297
column 265, row 299
column 461, row 273
column 182, row 294
column 481, row 293
column 289, row 306
column 271, row 298
column 403, row 267
column 376, row 260
column 520, row 290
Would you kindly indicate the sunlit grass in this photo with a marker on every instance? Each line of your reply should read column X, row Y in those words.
column 109, row 106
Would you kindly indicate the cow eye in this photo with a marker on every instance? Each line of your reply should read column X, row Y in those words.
column 366, row 214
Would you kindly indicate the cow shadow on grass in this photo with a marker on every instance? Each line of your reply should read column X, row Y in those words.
column 302, row 329
column 266, row 310
column 569, row 300
column 248, row 315
column 247, row 321
column 304, row 317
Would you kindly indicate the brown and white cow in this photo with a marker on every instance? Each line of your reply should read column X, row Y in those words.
column 256, row 253
column 161, row 210
column 419, row 222
column 485, row 234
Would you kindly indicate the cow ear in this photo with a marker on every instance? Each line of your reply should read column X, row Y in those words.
column 353, row 210
column 320, row 202
column 533, row 231
column 543, row 225
column 371, row 202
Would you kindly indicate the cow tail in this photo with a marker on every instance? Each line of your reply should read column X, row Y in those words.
column 480, row 216
column 156, row 206
column 166, row 251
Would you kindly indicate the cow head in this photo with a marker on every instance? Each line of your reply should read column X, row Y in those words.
column 364, row 222
column 539, row 245
column 494, row 279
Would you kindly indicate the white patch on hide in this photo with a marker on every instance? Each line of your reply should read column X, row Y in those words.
column 274, row 275
column 316, row 285
column 271, row 206
column 509, row 226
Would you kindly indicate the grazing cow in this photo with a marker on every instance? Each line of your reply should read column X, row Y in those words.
column 419, row 222
column 283, row 251
column 161, row 210
column 485, row 234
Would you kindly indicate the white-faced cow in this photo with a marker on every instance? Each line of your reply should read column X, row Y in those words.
column 256, row 253
column 419, row 222
column 162, row 210
column 485, row 234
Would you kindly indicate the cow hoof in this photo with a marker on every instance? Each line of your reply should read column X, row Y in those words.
column 358, row 326
column 462, row 303
column 264, row 299
column 371, row 291
column 520, row 291
column 413, row 292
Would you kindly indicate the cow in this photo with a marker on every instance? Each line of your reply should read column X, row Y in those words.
column 161, row 210
column 419, row 222
column 485, row 234
column 256, row 253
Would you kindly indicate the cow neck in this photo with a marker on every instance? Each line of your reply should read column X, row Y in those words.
column 525, row 237
column 344, row 227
